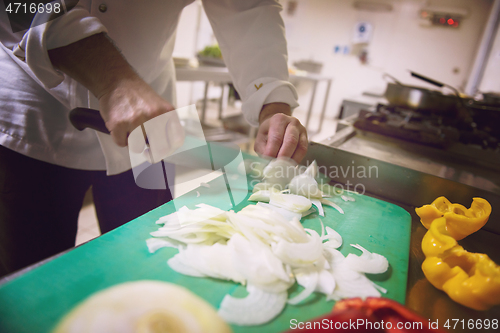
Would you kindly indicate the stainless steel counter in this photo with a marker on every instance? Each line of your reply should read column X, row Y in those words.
column 409, row 188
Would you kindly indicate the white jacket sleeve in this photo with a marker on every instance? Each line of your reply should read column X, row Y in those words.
column 73, row 26
column 251, row 36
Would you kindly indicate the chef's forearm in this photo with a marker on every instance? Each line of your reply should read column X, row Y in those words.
column 94, row 62
column 271, row 109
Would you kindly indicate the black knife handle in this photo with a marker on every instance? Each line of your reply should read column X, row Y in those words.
column 82, row 118
column 426, row 79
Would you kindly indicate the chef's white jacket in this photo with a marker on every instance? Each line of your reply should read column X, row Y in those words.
column 35, row 98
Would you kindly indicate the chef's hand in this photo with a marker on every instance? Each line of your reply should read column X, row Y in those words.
column 280, row 134
column 128, row 105
column 126, row 101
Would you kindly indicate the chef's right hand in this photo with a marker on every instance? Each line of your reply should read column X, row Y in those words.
column 128, row 105
column 126, row 101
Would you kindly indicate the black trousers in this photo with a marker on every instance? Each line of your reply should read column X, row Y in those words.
column 40, row 204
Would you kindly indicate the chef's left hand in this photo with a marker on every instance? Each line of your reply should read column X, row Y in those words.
column 280, row 134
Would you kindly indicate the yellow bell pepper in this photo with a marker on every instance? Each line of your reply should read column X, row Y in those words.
column 460, row 221
column 471, row 279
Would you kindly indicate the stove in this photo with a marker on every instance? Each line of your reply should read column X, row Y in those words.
column 462, row 146
column 432, row 129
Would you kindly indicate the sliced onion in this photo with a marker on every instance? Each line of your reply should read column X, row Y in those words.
column 334, row 240
column 279, row 172
column 308, row 280
column 258, row 265
column 257, row 308
column 262, row 196
column 154, row 244
column 180, row 267
column 306, row 186
column 322, row 228
column 318, row 205
column 169, row 219
column 300, row 254
column 308, row 212
column 290, row 230
column 288, row 215
column 292, row 202
column 347, row 198
column 349, row 283
column 368, row 262
column 325, row 281
column 213, row 261
column 312, row 169
column 331, row 204
column 352, row 284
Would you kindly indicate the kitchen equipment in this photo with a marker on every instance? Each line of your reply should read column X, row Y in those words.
column 482, row 115
column 418, row 98
column 35, row 301
column 491, row 98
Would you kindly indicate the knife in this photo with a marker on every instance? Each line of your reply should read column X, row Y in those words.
column 187, row 147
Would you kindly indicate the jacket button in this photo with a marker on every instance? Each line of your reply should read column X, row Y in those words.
column 103, row 8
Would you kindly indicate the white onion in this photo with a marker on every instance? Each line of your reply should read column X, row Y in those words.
column 292, row 202
column 325, row 283
column 307, row 279
column 368, row 262
column 142, row 306
column 332, row 204
column 265, row 247
column 347, row 198
column 177, row 264
column 312, row 169
column 351, row 284
column 257, row 308
column 306, row 186
column 318, row 205
column 334, row 240
column 258, row 265
column 287, row 215
column 308, row 212
column 262, row 196
column 279, row 172
column 299, row 254
column 213, row 261
column 154, row 244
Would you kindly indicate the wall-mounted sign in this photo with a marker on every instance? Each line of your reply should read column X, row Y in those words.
column 362, row 33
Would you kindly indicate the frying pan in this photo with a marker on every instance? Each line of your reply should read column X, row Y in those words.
column 421, row 99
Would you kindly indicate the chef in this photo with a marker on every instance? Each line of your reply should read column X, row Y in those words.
column 116, row 56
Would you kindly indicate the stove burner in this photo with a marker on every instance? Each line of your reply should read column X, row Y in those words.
column 427, row 128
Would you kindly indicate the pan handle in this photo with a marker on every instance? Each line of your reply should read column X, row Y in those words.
column 392, row 78
column 82, row 118
column 436, row 83
column 428, row 80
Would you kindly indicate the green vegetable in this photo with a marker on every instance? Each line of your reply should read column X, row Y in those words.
column 212, row 51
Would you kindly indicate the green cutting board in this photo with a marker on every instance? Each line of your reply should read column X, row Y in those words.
column 37, row 300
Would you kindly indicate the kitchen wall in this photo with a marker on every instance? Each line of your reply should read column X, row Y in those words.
column 399, row 43
column 491, row 76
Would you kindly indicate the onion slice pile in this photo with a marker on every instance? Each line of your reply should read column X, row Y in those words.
column 266, row 248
